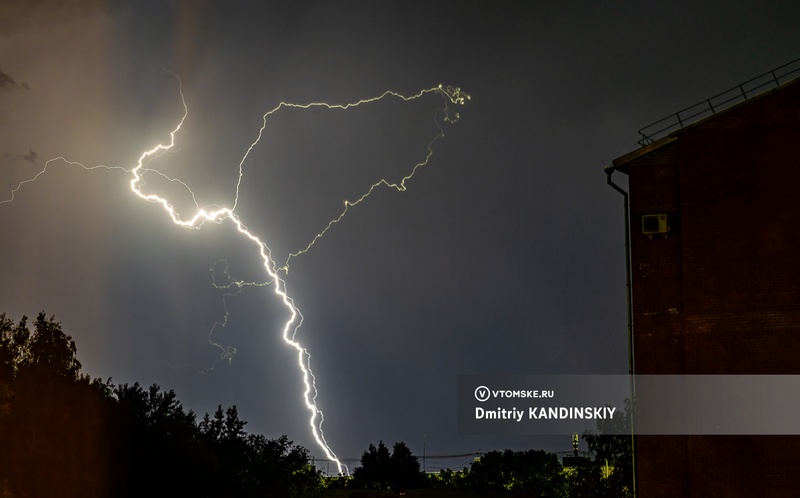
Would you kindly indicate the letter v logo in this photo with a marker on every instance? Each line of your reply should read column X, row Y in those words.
column 482, row 393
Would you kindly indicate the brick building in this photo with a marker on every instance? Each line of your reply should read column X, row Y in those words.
column 715, row 282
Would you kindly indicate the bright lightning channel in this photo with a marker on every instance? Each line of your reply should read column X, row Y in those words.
column 450, row 95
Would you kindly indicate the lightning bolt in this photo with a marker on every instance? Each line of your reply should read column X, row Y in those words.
column 450, row 96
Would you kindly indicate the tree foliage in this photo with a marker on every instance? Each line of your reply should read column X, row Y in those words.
column 63, row 434
column 534, row 471
column 615, row 451
column 449, row 479
column 51, row 353
column 381, row 470
column 375, row 468
column 46, row 353
column 14, row 344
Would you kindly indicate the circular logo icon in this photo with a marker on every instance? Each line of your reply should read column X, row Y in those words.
column 482, row 393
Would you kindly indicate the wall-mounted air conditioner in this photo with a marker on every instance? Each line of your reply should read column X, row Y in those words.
column 655, row 223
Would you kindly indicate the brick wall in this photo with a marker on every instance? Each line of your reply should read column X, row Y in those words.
column 720, row 293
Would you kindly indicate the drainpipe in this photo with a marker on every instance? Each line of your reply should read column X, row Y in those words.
column 632, row 387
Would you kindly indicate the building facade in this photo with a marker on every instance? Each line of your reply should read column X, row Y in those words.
column 715, row 283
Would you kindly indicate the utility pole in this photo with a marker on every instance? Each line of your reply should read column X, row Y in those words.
column 424, row 441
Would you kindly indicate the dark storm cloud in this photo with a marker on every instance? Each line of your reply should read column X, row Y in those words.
column 30, row 156
column 7, row 82
column 24, row 15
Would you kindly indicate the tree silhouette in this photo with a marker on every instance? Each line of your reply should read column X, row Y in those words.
column 14, row 344
column 51, row 353
column 381, row 470
column 279, row 468
column 534, row 471
column 609, row 446
column 160, row 440
column 54, row 422
column 63, row 434
column 375, row 468
column 404, row 468
column 47, row 352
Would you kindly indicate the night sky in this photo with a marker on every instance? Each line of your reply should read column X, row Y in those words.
column 504, row 255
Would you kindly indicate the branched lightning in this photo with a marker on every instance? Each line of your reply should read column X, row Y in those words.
column 232, row 288
column 218, row 215
column 450, row 94
column 12, row 196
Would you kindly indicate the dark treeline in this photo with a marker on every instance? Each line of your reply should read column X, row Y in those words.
column 64, row 434
column 496, row 473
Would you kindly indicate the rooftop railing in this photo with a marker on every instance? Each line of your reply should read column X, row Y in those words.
column 719, row 102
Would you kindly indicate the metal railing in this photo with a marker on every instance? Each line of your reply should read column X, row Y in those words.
column 724, row 100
